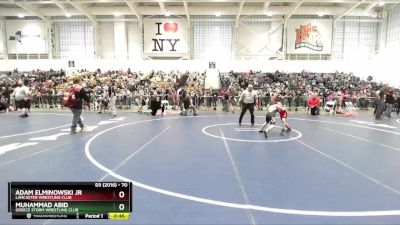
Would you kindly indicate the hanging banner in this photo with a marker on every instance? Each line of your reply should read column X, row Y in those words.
column 308, row 36
column 165, row 37
column 255, row 40
column 26, row 37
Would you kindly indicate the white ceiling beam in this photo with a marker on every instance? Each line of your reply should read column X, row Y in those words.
column 28, row 9
column 135, row 12
column 369, row 7
column 295, row 8
column 61, row 6
column 364, row 20
column 391, row 7
column 194, row 10
column 266, row 5
column 241, row 4
column 345, row 12
column 186, row 6
column 208, row 1
column 81, row 9
column 162, row 6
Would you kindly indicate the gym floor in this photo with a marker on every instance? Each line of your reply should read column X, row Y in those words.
column 209, row 170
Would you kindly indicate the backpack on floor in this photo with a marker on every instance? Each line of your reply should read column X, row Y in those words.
column 69, row 98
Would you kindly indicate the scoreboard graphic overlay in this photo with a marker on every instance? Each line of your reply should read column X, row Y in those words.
column 70, row 200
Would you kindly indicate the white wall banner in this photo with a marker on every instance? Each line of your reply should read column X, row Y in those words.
column 135, row 43
column 309, row 36
column 107, row 40
column 165, row 37
column 26, row 37
column 257, row 41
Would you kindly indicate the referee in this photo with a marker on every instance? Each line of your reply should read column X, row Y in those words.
column 248, row 99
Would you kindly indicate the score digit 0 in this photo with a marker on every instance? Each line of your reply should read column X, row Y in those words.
column 121, row 194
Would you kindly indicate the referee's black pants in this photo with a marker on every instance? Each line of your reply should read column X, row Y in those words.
column 250, row 107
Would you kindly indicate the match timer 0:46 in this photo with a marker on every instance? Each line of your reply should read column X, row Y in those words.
column 70, row 200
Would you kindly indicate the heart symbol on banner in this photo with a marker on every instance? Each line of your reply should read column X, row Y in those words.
column 171, row 27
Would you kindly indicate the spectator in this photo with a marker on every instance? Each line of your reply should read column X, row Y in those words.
column 379, row 106
column 214, row 100
column 313, row 105
column 225, row 100
column 112, row 96
column 232, row 103
column 22, row 94
column 188, row 104
column 3, row 104
column 76, row 109
column 389, row 103
column 155, row 103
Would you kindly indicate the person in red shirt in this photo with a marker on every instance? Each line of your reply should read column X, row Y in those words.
column 313, row 104
column 283, row 116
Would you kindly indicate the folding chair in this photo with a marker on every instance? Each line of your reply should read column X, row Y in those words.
column 330, row 107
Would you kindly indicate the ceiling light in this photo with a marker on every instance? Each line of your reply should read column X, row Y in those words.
column 320, row 14
column 117, row 14
column 167, row 14
column 68, row 15
column 269, row 13
column 21, row 16
column 381, row 4
column 218, row 14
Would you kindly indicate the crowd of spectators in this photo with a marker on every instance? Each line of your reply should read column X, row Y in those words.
column 136, row 88
column 132, row 88
column 296, row 88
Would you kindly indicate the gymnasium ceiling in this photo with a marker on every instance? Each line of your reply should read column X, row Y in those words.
column 45, row 9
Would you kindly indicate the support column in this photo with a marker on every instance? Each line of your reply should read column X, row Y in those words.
column 50, row 39
column 383, row 32
column 97, row 40
column 333, row 41
column 56, row 41
column 284, row 36
column 120, row 40
column 275, row 37
column 3, row 39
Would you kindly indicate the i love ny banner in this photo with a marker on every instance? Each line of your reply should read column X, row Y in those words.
column 165, row 37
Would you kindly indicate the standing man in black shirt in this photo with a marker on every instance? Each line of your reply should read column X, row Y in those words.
column 76, row 108
column 248, row 100
column 182, row 95
column 225, row 101
column 214, row 100
column 398, row 103
column 389, row 103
